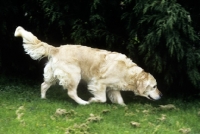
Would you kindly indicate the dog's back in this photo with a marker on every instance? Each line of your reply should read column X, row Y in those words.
column 93, row 62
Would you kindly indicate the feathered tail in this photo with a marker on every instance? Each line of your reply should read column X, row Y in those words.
column 33, row 46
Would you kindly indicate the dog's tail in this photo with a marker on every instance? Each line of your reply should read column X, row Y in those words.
column 33, row 46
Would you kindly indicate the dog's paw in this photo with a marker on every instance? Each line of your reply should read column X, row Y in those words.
column 84, row 103
column 122, row 104
column 93, row 99
column 43, row 98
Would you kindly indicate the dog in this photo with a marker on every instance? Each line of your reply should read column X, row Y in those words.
column 104, row 71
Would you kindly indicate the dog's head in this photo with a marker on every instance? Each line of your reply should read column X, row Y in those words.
column 147, row 87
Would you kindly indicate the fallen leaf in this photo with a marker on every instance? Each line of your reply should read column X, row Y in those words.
column 80, row 129
column 91, row 115
column 105, row 111
column 19, row 112
column 19, row 115
column 60, row 112
column 93, row 118
column 145, row 111
column 162, row 118
column 185, row 130
column 167, row 107
column 21, row 108
column 135, row 124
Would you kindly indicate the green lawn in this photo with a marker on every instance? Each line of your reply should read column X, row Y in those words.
column 23, row 112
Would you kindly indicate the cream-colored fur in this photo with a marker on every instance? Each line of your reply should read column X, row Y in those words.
column 104, row 71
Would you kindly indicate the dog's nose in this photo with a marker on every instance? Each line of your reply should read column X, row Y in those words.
column 159, row 97
column 160, row 94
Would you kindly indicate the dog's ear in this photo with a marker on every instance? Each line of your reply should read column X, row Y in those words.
column 141, row 86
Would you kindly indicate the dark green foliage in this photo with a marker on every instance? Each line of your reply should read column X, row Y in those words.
column 193, row 64
column 76, row 21
column 166, row 41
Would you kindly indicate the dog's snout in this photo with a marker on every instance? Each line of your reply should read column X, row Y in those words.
column 160, row 94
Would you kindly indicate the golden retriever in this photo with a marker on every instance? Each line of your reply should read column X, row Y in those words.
column 104, row 71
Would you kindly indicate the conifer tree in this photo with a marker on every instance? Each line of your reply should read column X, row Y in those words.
column 165, row 41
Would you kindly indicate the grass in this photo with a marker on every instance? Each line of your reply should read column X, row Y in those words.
column 23, row 112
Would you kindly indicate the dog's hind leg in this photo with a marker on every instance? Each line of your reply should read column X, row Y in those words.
column 44, row 87
column 72, row 89
column 72, row 92
column 48, row 80
column 69, row 78
column 115, row 97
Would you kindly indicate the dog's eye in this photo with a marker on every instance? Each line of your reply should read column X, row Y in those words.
column 154, row 86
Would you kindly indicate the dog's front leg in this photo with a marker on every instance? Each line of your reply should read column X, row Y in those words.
column 115, row 97
column 99, row 92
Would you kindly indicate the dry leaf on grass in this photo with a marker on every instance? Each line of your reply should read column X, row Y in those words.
column 19, row 112
column 135, row 124
column 167, row 107
column 93, row 118
column 162, row 118
column 21, row 108
column 145, row 111
column 185, row 130
column 82, row 128
column 62, row 113
column 105, row 111
column 19, row 115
